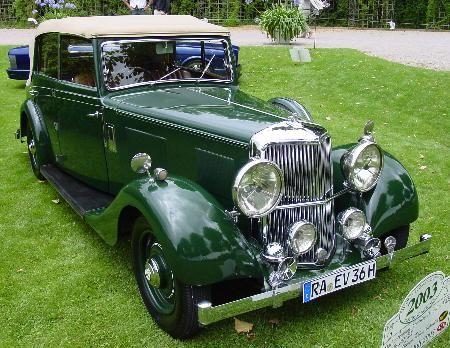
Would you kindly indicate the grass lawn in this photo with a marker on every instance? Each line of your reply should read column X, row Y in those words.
column 60, row 285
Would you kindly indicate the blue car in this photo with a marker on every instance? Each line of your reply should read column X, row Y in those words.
column 188, row 55
column 19, row 63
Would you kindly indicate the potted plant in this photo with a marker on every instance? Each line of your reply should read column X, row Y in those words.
column 284, row 22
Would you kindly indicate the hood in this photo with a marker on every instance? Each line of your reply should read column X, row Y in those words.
column 222, row 111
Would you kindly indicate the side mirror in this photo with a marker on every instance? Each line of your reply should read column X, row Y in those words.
column 141, row 163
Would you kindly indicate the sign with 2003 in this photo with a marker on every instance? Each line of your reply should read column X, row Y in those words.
column 423, row 315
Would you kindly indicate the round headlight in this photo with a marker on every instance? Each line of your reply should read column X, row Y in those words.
column 258, row 187
column 351, row 223
column 362, row 166
column 302, row 237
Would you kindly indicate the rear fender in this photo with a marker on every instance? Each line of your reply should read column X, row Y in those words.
column 30, row 115
column 201, row 243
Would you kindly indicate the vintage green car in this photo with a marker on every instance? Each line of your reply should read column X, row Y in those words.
column 231, row 203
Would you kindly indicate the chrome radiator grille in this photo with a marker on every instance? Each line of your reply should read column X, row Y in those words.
column 307, row 172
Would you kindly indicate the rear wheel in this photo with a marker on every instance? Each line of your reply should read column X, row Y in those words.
column 172, row 304
column 32, row 153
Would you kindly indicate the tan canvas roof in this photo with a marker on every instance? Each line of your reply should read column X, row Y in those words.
column 126, row 26
column 102, row 26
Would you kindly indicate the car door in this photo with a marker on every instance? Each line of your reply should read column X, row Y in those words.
column 80, row 121
column 44, row 80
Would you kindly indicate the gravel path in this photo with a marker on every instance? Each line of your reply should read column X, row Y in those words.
column 412, row 47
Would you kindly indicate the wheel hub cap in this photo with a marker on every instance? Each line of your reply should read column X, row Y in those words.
column 152, row 273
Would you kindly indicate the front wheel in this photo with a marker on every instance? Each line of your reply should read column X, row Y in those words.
column 173, row 305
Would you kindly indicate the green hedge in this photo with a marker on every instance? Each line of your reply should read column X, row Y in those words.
column 409, row 13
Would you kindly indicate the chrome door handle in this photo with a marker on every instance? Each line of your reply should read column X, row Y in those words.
column 95, row 115
column 33, row 92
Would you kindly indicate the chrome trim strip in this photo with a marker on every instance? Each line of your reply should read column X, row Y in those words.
column 208, row 314
column 308, row 204
column 237, row 104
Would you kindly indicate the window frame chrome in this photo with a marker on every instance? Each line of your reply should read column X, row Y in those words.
column 170, row 81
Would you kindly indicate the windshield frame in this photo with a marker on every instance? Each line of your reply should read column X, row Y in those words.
column 228, row 50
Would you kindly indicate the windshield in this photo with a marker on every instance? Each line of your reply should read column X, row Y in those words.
column 139, row 62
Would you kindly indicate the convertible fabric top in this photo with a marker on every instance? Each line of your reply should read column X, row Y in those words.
column 127, row 26
column 113, row 26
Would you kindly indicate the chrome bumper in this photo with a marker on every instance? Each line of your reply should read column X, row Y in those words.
column 208, row 314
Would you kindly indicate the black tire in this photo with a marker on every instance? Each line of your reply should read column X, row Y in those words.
column 401, row 235
column 32, row 153
column 172, row 305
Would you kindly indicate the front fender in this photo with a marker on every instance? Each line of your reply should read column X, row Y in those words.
column 201, row 243
column 391, row 204
column 31, row 115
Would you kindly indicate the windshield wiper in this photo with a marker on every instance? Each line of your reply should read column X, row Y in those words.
column 207, row 67
column 170, row 73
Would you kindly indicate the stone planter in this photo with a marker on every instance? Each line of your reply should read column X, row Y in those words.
column 279, row 39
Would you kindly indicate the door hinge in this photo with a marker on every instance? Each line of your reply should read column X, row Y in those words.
column 95, row 115
column 110, row 137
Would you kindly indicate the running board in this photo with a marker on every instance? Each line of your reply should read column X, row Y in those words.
column 81, row 197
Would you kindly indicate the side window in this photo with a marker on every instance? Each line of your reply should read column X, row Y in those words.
column 47, row 60
column 77, row 61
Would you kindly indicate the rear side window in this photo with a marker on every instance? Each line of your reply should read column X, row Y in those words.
column 47, row 62
column 77, row 61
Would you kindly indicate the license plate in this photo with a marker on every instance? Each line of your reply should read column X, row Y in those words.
column 339, row 280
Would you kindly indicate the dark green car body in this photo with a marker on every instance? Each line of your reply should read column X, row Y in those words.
column 201, row 134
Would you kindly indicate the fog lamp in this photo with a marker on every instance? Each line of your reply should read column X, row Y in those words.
column 351, row 223
column 302, row 237
column 369, row 246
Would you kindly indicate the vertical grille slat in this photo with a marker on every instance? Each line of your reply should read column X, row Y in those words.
column 308, row 174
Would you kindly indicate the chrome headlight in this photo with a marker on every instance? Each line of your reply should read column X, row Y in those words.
column 258, row 187
column 351, row 223
column 302, row 237
column 362, row 166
